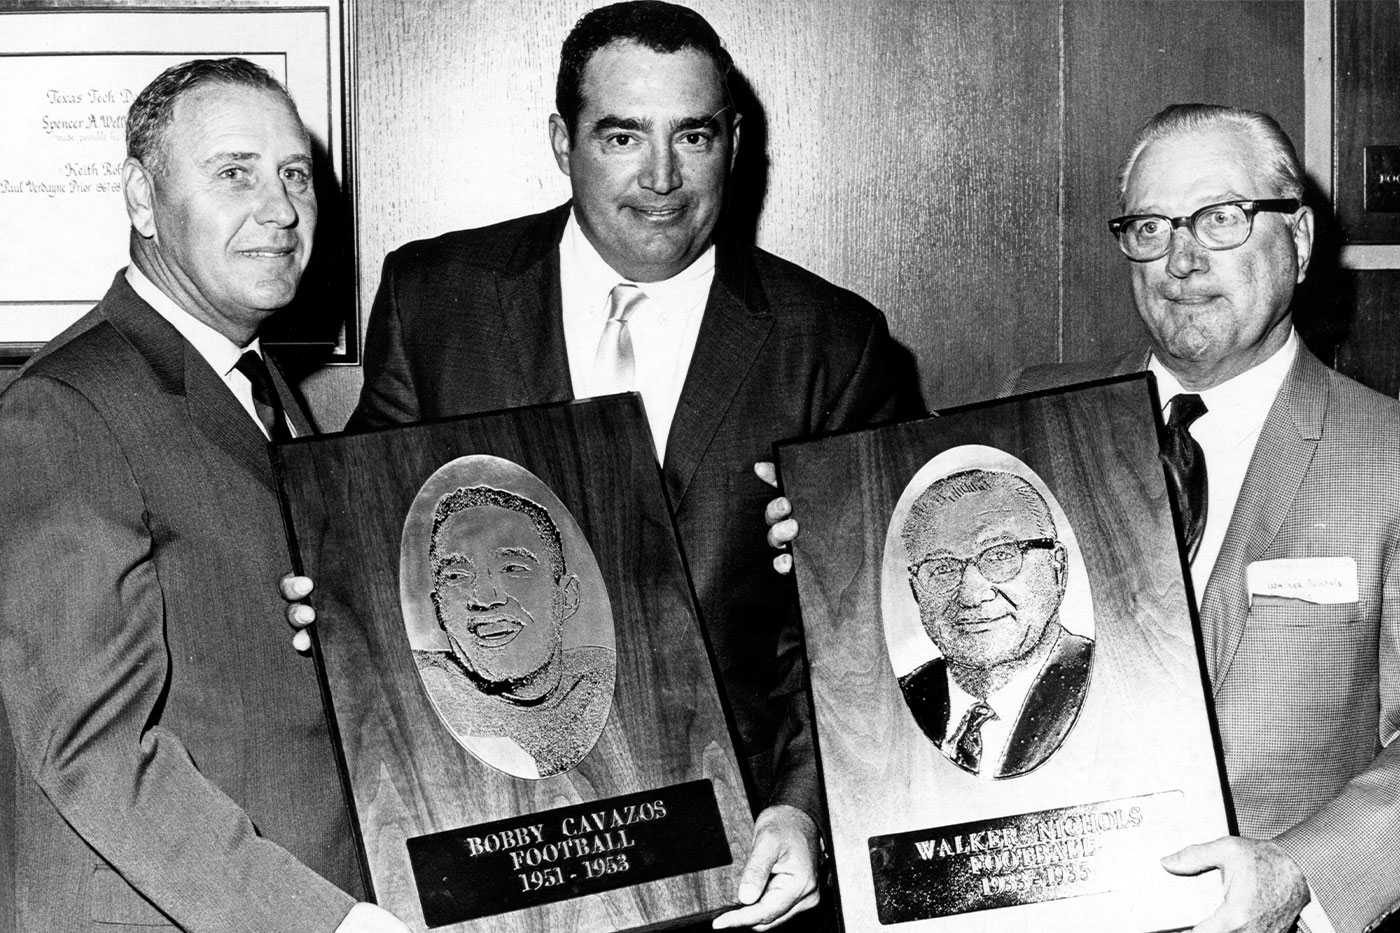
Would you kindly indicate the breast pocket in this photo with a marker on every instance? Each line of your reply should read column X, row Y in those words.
column 1277, row 610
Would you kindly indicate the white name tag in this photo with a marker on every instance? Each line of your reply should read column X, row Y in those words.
column 1323, row 580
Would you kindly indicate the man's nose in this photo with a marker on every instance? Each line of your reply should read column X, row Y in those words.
column 1186, row 254
column 662, row 172
column 275, row 205
column 973, row 588
column 485, row 593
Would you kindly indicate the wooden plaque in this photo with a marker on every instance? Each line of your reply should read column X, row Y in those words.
column 525, row 707
column 1022, row 555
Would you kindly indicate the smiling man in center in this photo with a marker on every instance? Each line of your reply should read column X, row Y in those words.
column 633, row 286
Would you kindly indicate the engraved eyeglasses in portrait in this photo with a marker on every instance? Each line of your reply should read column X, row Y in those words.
column 998, row 668
column 514, row 640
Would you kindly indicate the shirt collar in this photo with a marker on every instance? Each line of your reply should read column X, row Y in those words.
column 593, row 271
column 1006, row 701
column 218, row 351
column 1243, row 399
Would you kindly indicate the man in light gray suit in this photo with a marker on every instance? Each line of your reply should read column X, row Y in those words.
column 1297, row 563
column 172, row 764
column 1289, row 481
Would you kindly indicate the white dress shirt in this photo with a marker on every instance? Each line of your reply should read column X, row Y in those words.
column 218, row 351
column 1228, row 433
column 663, row 330
column 1005, row 702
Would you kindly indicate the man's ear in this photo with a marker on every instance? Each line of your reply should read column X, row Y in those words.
column 568, row 596
column 559, row 142
column 138, row 188
column 1303, row 240
column 1060, row 558
column 734, row 139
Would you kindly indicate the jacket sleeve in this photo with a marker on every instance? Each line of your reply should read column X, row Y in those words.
column 388, row 395
column 881, row 386
column 83, row 671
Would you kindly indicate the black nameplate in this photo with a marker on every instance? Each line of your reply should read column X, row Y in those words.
column 1021, row 859
column 553, row 855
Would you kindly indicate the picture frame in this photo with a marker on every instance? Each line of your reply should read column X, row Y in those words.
column 525, row 710
column 999, row 592
column 72, row 69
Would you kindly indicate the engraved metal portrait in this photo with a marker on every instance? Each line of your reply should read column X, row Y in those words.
column 508, row 617
column 988, row 615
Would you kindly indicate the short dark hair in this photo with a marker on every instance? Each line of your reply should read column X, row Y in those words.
column 154, row 108
column 661, row 27
column 1281, row 160
column 467, row 497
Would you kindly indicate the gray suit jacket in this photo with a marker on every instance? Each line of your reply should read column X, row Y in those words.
column 173, row 762
column 1308, row 696
column 471, row 321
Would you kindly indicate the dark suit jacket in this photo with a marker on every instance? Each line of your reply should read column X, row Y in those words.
column 174, row 763
column 471, row 321
column 1306, row 694
column 1051, row 706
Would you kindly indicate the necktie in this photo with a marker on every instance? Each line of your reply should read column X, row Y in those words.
column 969, row 745
column 614, row 369
column 265, row 400
column 1186, row 467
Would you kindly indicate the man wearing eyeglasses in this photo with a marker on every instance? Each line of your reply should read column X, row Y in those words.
column 1289, row 479
column 988, row 574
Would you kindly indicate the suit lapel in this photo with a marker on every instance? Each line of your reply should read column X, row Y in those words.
column 181, row 371
column 532, row 313
column 1286, row 446
column 736, row 324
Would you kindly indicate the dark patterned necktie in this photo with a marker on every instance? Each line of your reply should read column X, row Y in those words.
column 1186, row 466
column 969, row 747
column 265, row 400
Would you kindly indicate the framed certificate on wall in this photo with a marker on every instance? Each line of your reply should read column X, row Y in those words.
column 70, row 73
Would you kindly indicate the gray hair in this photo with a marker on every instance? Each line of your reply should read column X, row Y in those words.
column 1284, row 172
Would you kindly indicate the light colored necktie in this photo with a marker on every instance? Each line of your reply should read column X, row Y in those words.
column 614, row 367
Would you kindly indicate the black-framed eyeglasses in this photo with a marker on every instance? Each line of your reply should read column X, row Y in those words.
column 998, row 563
column 1145, row 237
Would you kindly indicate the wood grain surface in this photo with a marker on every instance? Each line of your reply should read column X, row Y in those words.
column 1366, row 92
column 1143, row 728
column 347, row 497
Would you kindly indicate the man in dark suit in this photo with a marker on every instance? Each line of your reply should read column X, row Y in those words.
column 173, row 763
column 731, row 348
column 988, row 574
column 1296, row 563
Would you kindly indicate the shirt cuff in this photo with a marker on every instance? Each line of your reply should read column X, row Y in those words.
column 1313, row 919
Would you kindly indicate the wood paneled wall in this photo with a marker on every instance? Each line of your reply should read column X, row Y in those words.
column 951, row 161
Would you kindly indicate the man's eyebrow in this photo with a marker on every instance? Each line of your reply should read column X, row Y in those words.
column 698, row 122
column 518, row 552
column 613, row 122
column 232, row 157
